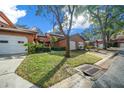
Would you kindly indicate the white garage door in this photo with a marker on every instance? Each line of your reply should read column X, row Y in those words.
column 12, row 44
column 72, row 45
column 122, row 45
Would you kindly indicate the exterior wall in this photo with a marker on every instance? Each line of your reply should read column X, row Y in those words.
column 98, row 43
column 81, row 45
column 61, row 43
column 76, row 39
column 120, row 42
column 73, row 45
column 30, row 37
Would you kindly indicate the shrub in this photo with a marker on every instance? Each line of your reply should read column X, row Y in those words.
column 31, row 47
column 115, row 44
column 45, row 49
column 58, row 48
column 89, row 47
column 80, row 47
column 36, row 48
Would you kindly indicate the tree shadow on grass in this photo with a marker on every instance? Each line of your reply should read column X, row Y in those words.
column 58, row 53
column 76, row 53
column 73, row 53
column 51, row 73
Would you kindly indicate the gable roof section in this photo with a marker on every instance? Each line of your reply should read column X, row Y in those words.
column 61, row 37
column 77, row 35
column 57, row 35
column 5, row 19
column 11, row 27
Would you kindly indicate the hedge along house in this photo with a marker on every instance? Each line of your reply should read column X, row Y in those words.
column 76, row 41
column 12, row 38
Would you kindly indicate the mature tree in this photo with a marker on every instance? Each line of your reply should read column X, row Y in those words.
column 53, row 39
column 106, row 18
column 89, row 33
column 62, row 17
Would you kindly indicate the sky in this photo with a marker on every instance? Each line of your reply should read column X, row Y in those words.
column 25, row 15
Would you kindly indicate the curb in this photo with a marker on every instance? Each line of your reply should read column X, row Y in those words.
column 105, row 59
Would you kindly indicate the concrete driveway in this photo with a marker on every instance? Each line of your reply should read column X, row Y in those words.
column 114, row 77
column 8, row 78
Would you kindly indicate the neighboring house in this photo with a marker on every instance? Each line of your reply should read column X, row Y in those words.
column 12, row 39
column 76, row 41
column 119, row 39
column 43, row 39
column 97, row 41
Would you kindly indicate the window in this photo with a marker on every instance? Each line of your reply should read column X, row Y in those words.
column 3, row 41
column 20, row 42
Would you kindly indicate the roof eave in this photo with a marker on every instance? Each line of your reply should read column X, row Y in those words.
column 18, row 30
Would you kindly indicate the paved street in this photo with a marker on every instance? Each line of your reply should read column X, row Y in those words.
column 114, row 77
column 8, row 78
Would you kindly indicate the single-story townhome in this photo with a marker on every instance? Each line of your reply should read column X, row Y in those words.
column 76, row 41
column 98, row 43
column 12, row 38
column 119, row 41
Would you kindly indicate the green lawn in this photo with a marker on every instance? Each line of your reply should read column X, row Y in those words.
column 46, row 69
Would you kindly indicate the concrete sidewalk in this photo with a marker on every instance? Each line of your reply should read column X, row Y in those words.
column 107, row 61
column 8, row 78
column 114, row 77
column 75, row 81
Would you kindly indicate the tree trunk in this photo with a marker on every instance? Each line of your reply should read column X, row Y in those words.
column 104, row 41
column 68, row 47
column 108, row 40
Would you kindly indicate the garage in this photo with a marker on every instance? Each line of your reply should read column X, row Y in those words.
column 10, row 44
column 72, row 45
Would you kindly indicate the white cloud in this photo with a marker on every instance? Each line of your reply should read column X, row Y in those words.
column 81, row 22
column 12, row 12
column 49, row 31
